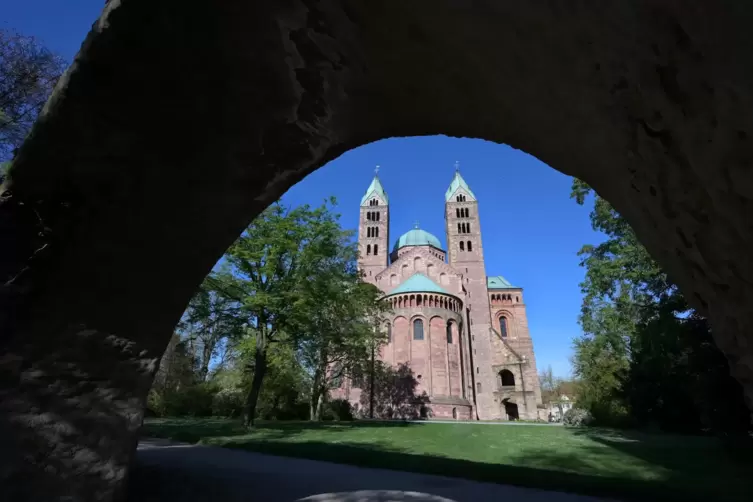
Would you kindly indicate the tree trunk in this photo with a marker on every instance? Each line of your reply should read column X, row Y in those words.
column 260, row 369
column 206, row 355
column 315, row 396
column 371, row 385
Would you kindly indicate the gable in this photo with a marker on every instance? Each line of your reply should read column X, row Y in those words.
column 420, row 261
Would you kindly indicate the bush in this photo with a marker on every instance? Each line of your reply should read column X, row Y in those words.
column 191, row 401
column 577, row 417
column 228, row 403
column 338, row 409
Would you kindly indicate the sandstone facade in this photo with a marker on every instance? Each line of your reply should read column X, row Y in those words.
column 463, row 334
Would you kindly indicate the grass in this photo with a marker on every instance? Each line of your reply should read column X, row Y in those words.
column 623, row 465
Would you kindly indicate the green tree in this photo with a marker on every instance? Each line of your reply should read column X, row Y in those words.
column 644, row 351
column 28, row 72
column 269, row 264
column 337, row 317
column 213, row 321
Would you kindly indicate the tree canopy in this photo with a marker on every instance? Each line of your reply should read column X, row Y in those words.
column 645, row 351
column 28, row 73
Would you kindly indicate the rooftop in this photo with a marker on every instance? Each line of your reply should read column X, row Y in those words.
column 417, row 237
column 457, row 183
column 418, row 283
column 375, row 189
column 499, row 282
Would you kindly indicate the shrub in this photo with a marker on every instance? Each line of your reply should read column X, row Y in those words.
column 338, row 409
column 155, row 405
column 577, row 417
column 228, row 403
column 191, row 400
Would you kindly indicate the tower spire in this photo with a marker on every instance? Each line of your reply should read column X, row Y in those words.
column 415, row 225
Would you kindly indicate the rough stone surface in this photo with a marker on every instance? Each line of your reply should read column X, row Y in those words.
column 180, row 121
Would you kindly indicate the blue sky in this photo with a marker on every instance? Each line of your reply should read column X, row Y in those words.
column 531, row 229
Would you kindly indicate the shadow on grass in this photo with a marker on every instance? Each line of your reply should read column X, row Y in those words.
column 686, row 469
column 549, row 475
column 203, row 430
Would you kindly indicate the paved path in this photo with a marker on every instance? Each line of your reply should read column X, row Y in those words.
column 176, row 472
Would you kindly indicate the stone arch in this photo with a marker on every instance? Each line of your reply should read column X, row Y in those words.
column 418, row 263
column 506, row 378
column 430, row 269
column 312, row 95
column 444, row 279
column 393, row 280
column 404, row 270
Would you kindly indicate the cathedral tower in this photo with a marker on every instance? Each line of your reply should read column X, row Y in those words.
column 373, row 230
column 466, row 255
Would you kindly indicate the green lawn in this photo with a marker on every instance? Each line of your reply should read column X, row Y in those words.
column 623, row 465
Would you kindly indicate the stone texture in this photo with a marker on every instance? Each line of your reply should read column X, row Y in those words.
column 178, row 122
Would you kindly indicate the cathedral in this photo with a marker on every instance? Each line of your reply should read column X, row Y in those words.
column 464, row 334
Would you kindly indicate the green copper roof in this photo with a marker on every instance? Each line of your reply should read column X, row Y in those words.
column 458, row 182
column 498, row 282
column 418, row 283
column 375, row 188
column 417, row 237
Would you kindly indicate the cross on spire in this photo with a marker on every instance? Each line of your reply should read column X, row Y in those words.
column 457, row 166
column 416, row 224
column 376, row 170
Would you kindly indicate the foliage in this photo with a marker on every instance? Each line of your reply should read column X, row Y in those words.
column 395, row 393
column 28, row 72
column 338, row 410
column 577, row 417
column 212, row 323
column 269, row 266
column 552, row 387
column 646, row 357
column 335, row 314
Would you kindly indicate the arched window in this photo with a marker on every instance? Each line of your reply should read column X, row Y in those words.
column 470, row 246
column 503, row 326
column 462, row 246
column 457, row 198
column 376, row 232
column 466, row 212
column 460, row 228
column 388, row 327
column 368, row 249
column 457, row 212
column 449, row 332
column 517, row 299
column 379, row 216
column 507, row 378
column 468, row 227
column 418, row 329
column 478, row 387
column 376, row 249
column 455, row 413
